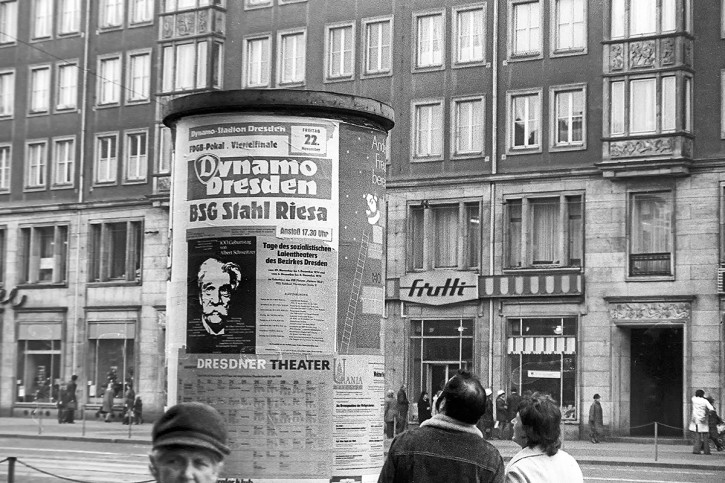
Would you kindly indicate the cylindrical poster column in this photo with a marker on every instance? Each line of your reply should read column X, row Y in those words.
column 277, row 277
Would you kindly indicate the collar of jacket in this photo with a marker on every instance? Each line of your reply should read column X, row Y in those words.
column 445, row 422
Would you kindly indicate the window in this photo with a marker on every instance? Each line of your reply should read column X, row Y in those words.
column 110, row 355
column 43, row 254
column 468, row 35
column 115, row 251
column 69, row 17
column 524, row 120
column 175, row 5
column 428, row 135
column 445, row 235
column 632, row 18
column 67, row 94
column 35, row 164
column 544, row 231
column 135, row 154
column 63, row 162
column 340, row 51
column 39, row 90
column 111, row 14
column 38, row 362
column 106, row 158
column 185, row 66
column 570, row 26
column 439, row 348
column 650, row 105
column 568, row 125
column 8, row 21
column 251, row 4
column 542, row 358
column 429, row 31
column 468, row 126
column 651, row 234
column 5, row 159
column 291, row 68
column 109, row 81
column 257, row 61
column 7, row 93
column 378, row 50
column 42, row 20
column 3, row 256
column 139, row 77
column 526, row 26
column 141, row 11
column 165, row 150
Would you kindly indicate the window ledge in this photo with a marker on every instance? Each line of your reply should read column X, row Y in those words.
column 40, row 285
column 542, row 268
column 114, row 283
column 649, row 278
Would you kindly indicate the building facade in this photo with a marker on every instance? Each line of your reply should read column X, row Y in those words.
column 554, row 201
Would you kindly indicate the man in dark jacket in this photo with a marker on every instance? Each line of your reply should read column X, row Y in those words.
column 512, row 404
column 448, row 446
column 502, row 414
column 596, row 419
column 403, row 406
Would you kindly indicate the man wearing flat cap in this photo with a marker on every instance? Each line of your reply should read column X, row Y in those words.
column 189, row 444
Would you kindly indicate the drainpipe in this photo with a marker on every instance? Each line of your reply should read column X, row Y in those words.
column 492, row 185
column 81, row 182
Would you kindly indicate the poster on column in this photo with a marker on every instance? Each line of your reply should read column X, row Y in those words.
column 359, row 383
column 262, row 201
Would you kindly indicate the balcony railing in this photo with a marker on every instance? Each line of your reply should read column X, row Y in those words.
column 650, row 264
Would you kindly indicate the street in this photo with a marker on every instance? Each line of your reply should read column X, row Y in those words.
column 90, row 462
column 95, row 462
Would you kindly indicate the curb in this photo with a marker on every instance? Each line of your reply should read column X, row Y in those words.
column 654, row 464
column 87, row 439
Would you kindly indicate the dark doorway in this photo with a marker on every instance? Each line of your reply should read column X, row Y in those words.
column 656, row 381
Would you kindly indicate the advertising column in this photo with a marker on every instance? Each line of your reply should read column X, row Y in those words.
column 276, row 291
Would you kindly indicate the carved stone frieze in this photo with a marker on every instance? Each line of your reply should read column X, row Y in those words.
column 219, row 22
column 203, row 21
column 641, row 147
column 650, row 311
column 642, row 54
column 167, row 27
column 668, row 51
column 616, row 57
column 185, row 24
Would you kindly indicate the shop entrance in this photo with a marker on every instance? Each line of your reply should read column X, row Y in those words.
column 656, row 380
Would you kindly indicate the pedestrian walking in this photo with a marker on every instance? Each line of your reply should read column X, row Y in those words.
column 501, row 414
column 138, row 410
column 485, row 424
column 62, row 403
column 512, row 404
column 72, row 389
column 537, row 430
column 390, row 413
column 106, row 409
column 424, row 413
column 403, row 406
column 713, row 419
column 189, row 444
column 129, row 397
column 449, row 446
column 596, row 420
column 699, row 424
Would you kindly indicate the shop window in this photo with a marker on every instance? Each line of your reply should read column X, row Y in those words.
column 438, row 349
column 445, row 235
column 111, row 357
column 378, row 48
column 38, row 362
column 116, row 252
column 544, row 232
column 651, row 234
column 542, row 358
column 44, row 254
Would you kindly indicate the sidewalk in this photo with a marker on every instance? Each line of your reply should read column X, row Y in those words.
column 586, row 453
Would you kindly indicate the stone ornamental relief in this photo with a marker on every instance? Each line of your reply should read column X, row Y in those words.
column 640, row 147
column 616, row 57
column 655, row 311
column 668, row 51
column 642, row 54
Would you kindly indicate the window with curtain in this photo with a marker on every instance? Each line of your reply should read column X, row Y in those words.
column 42, row 21
column 115, row 252
column 292, row 57
column 650, row 233
column 8, row 21
column 570, row 25
column 257, row 62
column 569, row 122
column 449, row 233
column 378, row 48
column 525, row 111
column 106, row 158
column 429, row 35
column 428, row 134
column 63, row 161
column 469, row 35
column 468, row 126
column 36, row 164
column 636, row 18
column 340, row 48
column 136, row 156
column 544, row 231
column 7, row 93
column 139, row 77
column 67, row 86
column 69, row 16
column 5, row 156
column 526, row 28
column 109, row 81
column 39, row 90
column 43, row 254
column 111, row 13
column 643, row 105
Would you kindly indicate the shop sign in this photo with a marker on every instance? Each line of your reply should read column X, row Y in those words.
column 545, row 374
column 440, row 287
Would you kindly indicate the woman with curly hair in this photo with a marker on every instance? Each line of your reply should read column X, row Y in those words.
column 537, row 431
